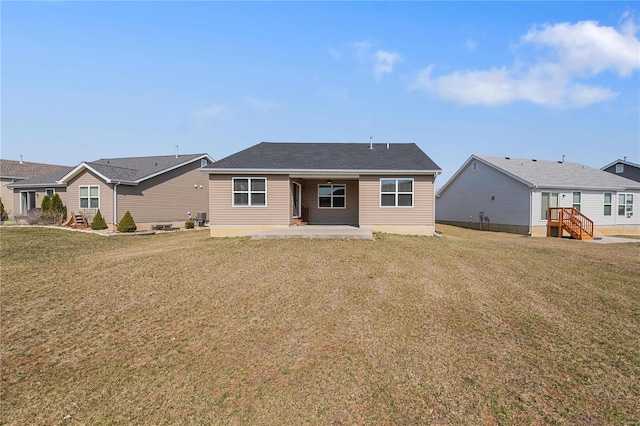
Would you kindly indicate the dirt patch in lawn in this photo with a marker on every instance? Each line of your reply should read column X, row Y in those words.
column 471, row 328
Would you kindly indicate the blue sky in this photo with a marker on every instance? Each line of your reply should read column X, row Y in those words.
column 89, row 80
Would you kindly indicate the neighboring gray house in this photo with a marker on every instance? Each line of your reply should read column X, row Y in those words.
column 384, row 187
column 514, row 194
column 157, row 189
column 624, row 168
column 12, row 171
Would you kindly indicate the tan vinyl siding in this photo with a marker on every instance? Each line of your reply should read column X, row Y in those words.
column 86, row 177
column 331, row 216
column 168, row 197
column 422, row 212
column 8, row 197
column 40, row 193
column 276, row 212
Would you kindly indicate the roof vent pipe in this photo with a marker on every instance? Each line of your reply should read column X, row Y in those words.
column 387, row 145
column 23, row 163
column 625, row 157
column 370, row 142
column 176, row 151
column 563, row 158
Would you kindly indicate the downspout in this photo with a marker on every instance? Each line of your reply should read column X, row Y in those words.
column 530, row 210
column 435, row 233
column 115, row 203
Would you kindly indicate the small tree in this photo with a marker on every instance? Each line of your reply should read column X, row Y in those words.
column 3, row 213
column 45, row 206
column 98, row 222
column 57, row 206
column 126, row 223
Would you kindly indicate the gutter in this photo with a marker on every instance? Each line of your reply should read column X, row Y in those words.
column 115, row 202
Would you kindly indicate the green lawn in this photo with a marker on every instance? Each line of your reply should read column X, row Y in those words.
column 177, row 328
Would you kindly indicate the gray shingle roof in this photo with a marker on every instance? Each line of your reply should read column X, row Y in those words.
column 137, row 168
column 329, row 156
column 26, row 169
column 131, row 169
column 554, row 174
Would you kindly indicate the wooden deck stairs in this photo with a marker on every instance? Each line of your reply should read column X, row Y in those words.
column 77, row 221
column 568, row 219
column 303, row 220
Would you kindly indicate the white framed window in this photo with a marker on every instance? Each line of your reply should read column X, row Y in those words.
column 49, row 192
column 625, row 204
column 203, row 162
column 332, row 196
column 396, row 192
column 475, row 166
column 549, row 199
column 27, row 201
column 249, row 192
column 608, row 198
column 577, row 200
column 89, row 197
column 619, row 168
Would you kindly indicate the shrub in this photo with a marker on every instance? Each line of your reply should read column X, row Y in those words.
column 57, row 206
column 33, row 216
column 3, row 213
column 98, row 222
column 126, row 223
column 52, row 210
column 45, row 206
column 189, row 224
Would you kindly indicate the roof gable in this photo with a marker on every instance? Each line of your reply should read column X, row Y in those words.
column 549, row 174
column 127, row 171
column 619, row 161
column 133, row 170
column 328, row 156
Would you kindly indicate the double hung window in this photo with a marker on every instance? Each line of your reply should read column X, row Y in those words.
column 396, row 192
column 249, row 192
column 332, row 196
column 89, row 197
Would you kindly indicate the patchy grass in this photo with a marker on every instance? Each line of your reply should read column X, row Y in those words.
column 471, row 328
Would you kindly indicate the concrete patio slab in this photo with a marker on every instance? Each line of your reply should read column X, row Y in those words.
column 610, row 239
column 316, row 231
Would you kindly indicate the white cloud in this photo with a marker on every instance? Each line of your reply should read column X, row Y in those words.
column 573, row 52
column 589, row 47
column 381, row 61
column 205, row 114
column 362, row 50
column 261, row 105
column 470, row 44
column 384, row 62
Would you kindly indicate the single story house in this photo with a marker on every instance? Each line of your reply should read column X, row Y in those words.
column 624, row 168
column 384, row 187
column 515, row 194
column 12, row 171
column 158, row 189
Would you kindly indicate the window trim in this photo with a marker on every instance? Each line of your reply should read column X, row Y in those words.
column 333, row 185
column 396, row 193
column 579, row 203
column 53, row 191
column 88, row 197
column 203, row 162
column 626, row 210
column 35, row 201
column 474, row 166
column 619, row 168
column 546, row 211
column 248, row 191
column 605, row 204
